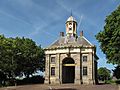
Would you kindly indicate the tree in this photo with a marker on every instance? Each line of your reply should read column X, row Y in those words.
column 103, row 73
column 109, row 38
column 116, row 72
column 31, row 56
column 7, row 64
column 2, row 78
column 20, row 56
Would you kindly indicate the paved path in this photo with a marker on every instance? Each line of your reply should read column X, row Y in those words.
column 62, row 87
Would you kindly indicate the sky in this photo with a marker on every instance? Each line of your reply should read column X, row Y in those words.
column 43, row 20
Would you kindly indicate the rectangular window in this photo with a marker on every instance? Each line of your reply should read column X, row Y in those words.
column 84, row 58
column 52, row 71
column 84, row 71
column 52, row 59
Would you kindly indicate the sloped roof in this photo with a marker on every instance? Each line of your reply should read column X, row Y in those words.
column 71, row 18
column 68, row 41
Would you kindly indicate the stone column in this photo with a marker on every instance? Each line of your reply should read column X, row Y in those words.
column 60, row 72
column 77, row 70
column 81, row 75
column 62, row 56
column 47, row 69
column 57, row 69
column 91, row 69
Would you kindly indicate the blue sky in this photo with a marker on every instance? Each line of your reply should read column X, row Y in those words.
column 42, row 20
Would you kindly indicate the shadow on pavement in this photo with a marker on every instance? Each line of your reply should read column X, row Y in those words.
column 63, row 89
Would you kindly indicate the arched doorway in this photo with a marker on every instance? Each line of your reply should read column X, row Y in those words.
column 68, row 70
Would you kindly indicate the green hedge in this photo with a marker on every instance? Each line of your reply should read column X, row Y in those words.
column 112, row 81
column 117, row 81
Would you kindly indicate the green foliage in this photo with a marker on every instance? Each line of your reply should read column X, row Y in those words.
column 20, row 56
column 117, row 81
column 2, row 78
column 103, row 73
column 30, row 58
column 116, row 72
column 110, row 81
column 109, row 38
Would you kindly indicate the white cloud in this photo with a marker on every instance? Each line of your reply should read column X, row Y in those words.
column 42, row 29
column 13, row 17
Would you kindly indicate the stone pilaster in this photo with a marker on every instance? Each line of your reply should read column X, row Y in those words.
column 93, row 66
column 91, row 69
column 60, row 72
column 57, row 69
column 77, row 75
column 47, row 69
column 81, row 80
column 77, row 69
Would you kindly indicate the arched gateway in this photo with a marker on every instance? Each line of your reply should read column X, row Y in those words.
column 71, row 58
column 68, row 70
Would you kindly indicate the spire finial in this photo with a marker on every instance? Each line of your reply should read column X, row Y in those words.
column 71, row 12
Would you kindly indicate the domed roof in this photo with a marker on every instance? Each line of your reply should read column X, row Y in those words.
column 71, row 18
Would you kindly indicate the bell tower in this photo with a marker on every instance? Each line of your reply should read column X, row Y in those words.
column 71, row 27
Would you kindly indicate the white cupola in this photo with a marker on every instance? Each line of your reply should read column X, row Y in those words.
column 71, row 27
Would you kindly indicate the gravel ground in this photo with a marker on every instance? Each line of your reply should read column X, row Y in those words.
column 62, row 87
